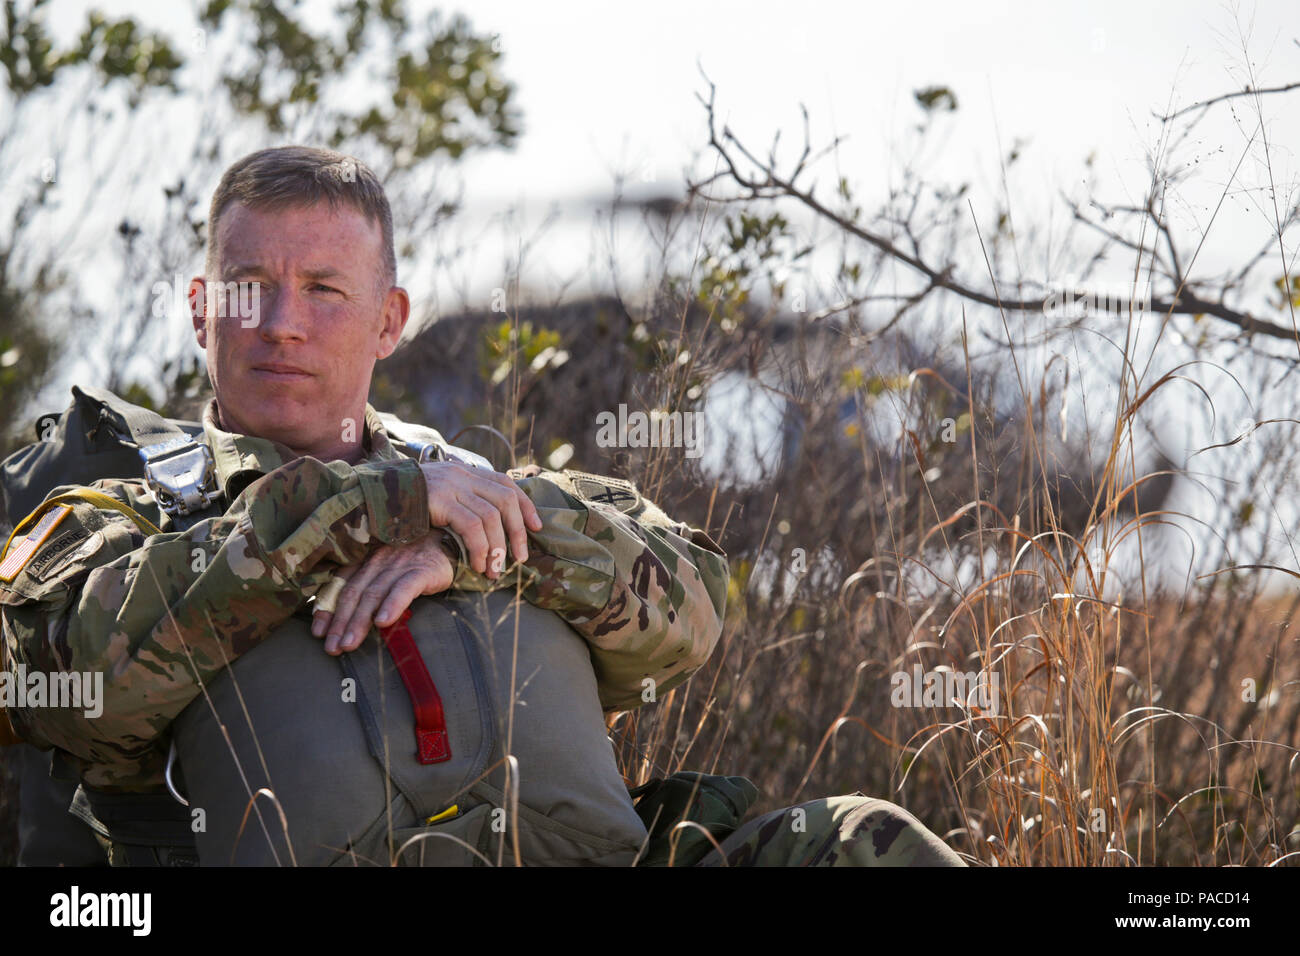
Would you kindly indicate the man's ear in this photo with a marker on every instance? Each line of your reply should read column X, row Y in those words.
column 198, row 297
column 397, row 309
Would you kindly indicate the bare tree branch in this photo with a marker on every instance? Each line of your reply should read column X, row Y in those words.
column 768, row 184
column 1206, row 104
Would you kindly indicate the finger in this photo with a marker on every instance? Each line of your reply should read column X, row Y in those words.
column 351, row 595
column 363, row 616
column 320, row 622
column 469, row 526
column 507, row 503
column 405, row 589
column 526, row 506
column 348, row 597
column 327, row 600
column 430, row 571
column 490, row 517
column 513, row 517
column 530, row 510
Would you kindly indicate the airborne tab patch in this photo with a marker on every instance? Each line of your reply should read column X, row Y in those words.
column 52, row 552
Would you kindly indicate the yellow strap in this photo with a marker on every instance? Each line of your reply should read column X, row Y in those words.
column 7, row 733
column 447, row 814
column 97, row 498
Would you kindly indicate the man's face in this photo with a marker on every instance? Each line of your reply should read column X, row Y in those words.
column 323, row 315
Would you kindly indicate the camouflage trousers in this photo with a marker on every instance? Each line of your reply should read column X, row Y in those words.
column 851, row 830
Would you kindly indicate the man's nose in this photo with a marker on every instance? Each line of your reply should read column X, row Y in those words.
column 283, row 314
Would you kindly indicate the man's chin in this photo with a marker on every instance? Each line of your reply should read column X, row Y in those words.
column 274, row 416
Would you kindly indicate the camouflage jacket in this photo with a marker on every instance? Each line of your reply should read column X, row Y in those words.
column 159, row 615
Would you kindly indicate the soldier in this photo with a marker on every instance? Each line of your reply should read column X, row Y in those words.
column 311, row 517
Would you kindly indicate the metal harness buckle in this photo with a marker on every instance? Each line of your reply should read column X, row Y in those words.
column 431, row 451
column 181, row 474
column 427, row 451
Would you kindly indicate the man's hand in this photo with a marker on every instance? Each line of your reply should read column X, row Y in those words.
column 484, row 507
column 380, row 588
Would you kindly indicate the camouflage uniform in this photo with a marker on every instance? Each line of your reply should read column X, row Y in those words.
column 837, row 831
column 160, row 615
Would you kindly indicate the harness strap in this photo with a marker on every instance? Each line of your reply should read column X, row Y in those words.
column 140, row 425
column 431, row 741
column 178, row 466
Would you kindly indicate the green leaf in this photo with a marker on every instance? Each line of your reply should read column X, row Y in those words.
column 934, row 98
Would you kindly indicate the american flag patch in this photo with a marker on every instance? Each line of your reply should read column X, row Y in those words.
column 23, row 550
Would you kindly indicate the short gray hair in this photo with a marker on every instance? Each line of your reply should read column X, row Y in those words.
column 290, row 176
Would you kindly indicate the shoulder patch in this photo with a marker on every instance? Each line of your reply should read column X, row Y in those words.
column 52, row 552
column 617, row 492
column 80, row 548
column 22, row 551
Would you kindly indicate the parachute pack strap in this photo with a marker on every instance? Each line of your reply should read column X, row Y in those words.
column 141, row 425
column 96, row 498
column 431, row 741
column 178, row 469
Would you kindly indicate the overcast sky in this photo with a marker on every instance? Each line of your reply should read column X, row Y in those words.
column 608, row 88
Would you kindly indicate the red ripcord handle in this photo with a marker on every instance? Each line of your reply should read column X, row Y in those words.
column 431, row 741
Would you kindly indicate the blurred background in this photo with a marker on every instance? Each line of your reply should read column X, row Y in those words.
column 987, row 310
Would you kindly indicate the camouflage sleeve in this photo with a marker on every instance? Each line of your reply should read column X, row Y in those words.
column 158, row 615
column 648, row 594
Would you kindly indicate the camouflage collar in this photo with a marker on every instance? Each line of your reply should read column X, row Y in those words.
column 241, row 459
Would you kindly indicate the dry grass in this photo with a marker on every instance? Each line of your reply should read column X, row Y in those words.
column 1122, row 733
